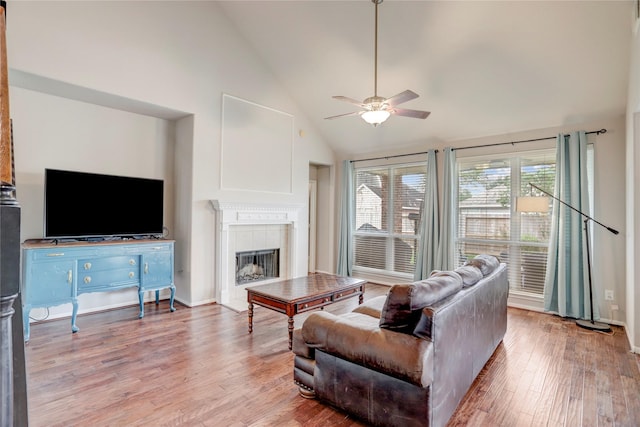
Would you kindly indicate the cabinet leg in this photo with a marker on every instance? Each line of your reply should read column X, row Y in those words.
column 173, row 294
column 25, row 322
column 141, row 299
column 74, row 314
column 250, row 317
column 157, row 296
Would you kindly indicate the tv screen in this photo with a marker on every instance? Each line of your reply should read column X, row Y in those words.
column 90, row 205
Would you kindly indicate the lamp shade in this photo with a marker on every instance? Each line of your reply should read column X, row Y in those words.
column 375, row 117
column 532, row 204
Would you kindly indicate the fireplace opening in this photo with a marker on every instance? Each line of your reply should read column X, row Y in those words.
column 255, row 266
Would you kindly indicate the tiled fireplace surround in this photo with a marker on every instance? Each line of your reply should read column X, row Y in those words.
column 247, row 227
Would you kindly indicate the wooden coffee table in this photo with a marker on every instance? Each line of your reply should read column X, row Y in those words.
column 293, row 296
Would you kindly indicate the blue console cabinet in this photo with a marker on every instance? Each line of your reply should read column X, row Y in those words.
column 54, row 274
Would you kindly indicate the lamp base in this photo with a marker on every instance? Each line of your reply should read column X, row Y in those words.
column 594, row 326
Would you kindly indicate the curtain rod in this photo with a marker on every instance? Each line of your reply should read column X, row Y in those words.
column 598, row 132
column 391, row 157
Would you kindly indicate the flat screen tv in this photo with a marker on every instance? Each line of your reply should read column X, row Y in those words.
column 83, row 205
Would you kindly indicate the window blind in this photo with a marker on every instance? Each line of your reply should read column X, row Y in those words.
column 388, row 209
column 487, row 219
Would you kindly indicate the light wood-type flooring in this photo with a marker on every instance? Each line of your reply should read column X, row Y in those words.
column 200, row 367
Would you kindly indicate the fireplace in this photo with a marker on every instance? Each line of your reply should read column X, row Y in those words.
column 256, row 266
column 253, row 228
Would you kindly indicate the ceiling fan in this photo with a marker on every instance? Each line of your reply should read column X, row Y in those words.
column 377, row 109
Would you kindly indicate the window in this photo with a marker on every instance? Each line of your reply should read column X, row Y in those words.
column 388, row 204
column 488, row 222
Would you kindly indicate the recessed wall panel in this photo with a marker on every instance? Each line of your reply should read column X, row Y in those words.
column 257, row 147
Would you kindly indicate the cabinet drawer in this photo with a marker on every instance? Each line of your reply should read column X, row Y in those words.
column 346, row 294
column 310, row 305
column 56, row 253
column 89, row 281
column 92, row 265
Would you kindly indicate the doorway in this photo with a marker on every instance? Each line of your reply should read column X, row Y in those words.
column 313, row 211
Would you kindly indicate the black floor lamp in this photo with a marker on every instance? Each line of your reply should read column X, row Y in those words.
column 584, row 323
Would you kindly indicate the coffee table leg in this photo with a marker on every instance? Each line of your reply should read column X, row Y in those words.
column 290, row 332
column 250, row 317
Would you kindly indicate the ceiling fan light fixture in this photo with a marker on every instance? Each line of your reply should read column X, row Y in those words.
column 375, row 117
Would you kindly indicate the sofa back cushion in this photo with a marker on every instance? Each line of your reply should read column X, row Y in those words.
column 404, row 303
column 470, row 275
column 486, row 263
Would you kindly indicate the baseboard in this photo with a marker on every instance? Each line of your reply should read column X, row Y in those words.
column 197, row 303
column 634, row 349
column 381, row 278
column 67, row 314
column 525, row 301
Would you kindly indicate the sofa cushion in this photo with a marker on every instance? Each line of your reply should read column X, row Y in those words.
column 372, row 307
column 357, row 338
column 486, row 263
column 402, row 307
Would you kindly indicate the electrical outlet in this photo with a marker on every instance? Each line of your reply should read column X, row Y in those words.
column 608, row 295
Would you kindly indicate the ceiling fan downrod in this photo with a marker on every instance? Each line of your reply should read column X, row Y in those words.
column 375, row 49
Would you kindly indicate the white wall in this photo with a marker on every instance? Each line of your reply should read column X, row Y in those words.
column 180, row 57
column 633, row 190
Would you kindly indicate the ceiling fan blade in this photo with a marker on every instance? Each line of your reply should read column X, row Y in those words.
column 405, row 96
column 349, row 100
column 356, row 113
column 416, row 114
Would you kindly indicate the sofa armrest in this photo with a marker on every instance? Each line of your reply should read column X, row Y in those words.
column 299, row 347
column 357, row 337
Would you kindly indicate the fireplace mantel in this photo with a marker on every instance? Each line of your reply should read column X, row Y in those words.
column 232, row 215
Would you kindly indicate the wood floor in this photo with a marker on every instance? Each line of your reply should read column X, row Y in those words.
column 199, row 367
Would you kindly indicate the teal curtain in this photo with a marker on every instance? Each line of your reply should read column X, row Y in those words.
column 429, row 229
column 567, row 282
column 445, row 254
column 345, row 248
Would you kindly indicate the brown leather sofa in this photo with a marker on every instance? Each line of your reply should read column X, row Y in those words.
column 407, row 358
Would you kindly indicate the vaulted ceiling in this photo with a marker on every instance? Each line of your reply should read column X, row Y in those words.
column 480, row 67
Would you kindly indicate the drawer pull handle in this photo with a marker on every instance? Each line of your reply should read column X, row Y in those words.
column 56, row 254
column 146, row 268
column 87, row 265
column 87, row 279
column 131, row 274
column 339, row 295
column 70, row 276
column 306, row 306
column 132, row 262
column 326, row 300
